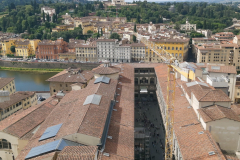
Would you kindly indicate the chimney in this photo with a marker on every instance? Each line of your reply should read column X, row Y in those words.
column 4, row 96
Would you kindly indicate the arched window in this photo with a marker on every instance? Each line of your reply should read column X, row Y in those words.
column 54, row 90
column 4, row 144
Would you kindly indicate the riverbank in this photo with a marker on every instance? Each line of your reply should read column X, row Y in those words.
column 39, row 70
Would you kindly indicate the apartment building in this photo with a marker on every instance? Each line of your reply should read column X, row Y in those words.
column 6, row 45
column 219, row 76
column 50, row 49
column 200, row 41
column 64, row 80
column 23, row 48
column 10, row 104
column 137, row 52
column 113, row 51
column 26, row 48
column 224, row 36
column 86, row 52
column 7, row 84
column 220, row 53
column 176, row 47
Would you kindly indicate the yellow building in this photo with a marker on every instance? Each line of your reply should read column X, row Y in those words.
column 10, row 104
column 68, row 79
column 67, row 56
column 177, row 47
column 86, row 28
column 7, row 84
column 63, row 28
column 34, row 45
column 6, row 45
column 23, row 48
column 86, row 52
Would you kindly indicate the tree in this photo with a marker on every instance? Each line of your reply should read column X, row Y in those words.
column 135, row 28
column 115, row 36
column 48, row 18
column 101, row 5
column 12, row 49
column 177, row 26
column 134, row 38
column 204, row 24
column 43, row 16
column 89, row 32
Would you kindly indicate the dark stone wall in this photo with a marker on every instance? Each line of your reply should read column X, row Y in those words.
column 48, row 65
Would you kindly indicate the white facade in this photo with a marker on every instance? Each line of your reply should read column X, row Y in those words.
column 207, row 33
column 111, row 50
column 118, row 2
column 188, row 26
column 48, row 10
column 231, row 82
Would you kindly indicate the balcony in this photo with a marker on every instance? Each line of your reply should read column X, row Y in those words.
column 217, row 81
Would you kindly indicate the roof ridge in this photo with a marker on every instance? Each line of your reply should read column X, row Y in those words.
column 205, row 112
column 205, row 94
column 218, row 107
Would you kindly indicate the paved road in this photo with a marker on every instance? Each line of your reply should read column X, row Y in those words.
column 147, row 114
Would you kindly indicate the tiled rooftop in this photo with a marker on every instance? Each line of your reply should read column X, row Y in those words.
column 5, row 81
column 78, row 153
column 15, row 98
column 72, row 76
column 186, row 128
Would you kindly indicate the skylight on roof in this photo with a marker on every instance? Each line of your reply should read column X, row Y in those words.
column 94, row 99
column 50, row 132
column 48, row 147
column 215, row 67
column 195, row 83
column 102, row 79
column 57, row 145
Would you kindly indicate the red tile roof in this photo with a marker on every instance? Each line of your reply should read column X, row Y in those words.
column 217, row 112
column 191, row 144
column 20, row 123
column 72, row 76
column 105, row 70
column 78, row 153
column 15, row 98
column 5, row 81
column 121, row 146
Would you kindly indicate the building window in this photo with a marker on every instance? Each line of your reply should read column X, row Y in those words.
column 60, row 85
column 4, row 144
column 66, row 85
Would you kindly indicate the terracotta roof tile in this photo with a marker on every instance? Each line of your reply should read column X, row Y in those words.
column 223, row 69
column 15, row 98
column 105, row 70
column 121, row 146
column 5, row 81
column 78, row 153
column 217, row 112
column 73, row 76
column 30, row 121
column 191, row 144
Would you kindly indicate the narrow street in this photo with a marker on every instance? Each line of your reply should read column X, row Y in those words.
column 148, row 116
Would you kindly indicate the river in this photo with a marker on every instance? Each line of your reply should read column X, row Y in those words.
column 29, row 81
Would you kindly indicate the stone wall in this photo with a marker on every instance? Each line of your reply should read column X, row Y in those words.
column 48, row 65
